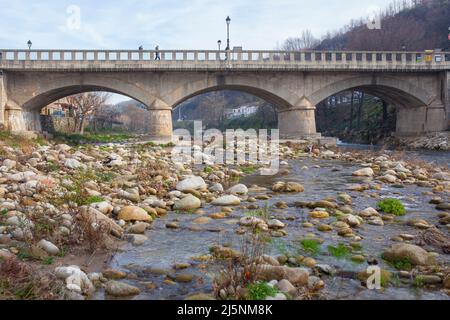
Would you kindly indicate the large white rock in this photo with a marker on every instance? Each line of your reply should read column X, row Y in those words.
column 76, row 280
column 191, row 183
column 366, row 172
column 189, row 202
column 21, row 176
column 228, row 200
column 73, row 164
column 240, row 189
column 104, row 207
column 48, row 247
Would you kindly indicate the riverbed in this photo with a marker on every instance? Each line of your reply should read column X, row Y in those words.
column 151, row 263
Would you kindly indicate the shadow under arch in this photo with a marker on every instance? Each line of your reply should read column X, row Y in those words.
column 47, row 97
column 397, row 93
column 278, row 102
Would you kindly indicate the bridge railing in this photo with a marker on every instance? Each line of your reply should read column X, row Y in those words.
column 241, row 57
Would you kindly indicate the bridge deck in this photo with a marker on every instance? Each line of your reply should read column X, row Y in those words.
column 201, row 60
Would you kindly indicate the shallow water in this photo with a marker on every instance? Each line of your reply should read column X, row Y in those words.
column 166, row 247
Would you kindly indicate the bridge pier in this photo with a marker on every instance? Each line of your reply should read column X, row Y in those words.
column 160, row 122
column 415, row 121
column 2, row 99
column 447, row 97
column 298, row 122
column 14, row 119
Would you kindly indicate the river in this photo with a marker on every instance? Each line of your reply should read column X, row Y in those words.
column 151, row 262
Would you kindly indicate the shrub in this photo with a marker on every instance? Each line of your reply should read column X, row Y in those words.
column 310, row 245
column 93, row 199
column 339, row 252
column 400, row 264
column 260, row 291
column 393, row 206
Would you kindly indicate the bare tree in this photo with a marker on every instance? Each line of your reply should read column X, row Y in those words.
column 84, row 105
column 305, row 41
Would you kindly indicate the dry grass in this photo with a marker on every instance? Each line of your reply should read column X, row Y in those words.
column 435, row 238
column 91, row 234
column 242, row 271
column 17, row 142
column 19, row 281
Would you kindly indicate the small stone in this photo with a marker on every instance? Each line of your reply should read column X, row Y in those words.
column 114, row 274
column 286, row 287
column 319, row 215
column 119, row 289
column 309, row 262
column 202, row 220
column 184, row 278
column 138, row 228
column 49, row 247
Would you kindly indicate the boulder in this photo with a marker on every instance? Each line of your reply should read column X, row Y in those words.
column 76, row 280
column 228, row 200
column 216, row 187
column 120, row 289
column 191, row 183
column 189, row 202
column 93, row 215
column 296, row 276
column 366, row 172
column 104, row 207
column 416, row 255
column 239, row 189
column 48, row 247
column 133, row 213
column 73, row 164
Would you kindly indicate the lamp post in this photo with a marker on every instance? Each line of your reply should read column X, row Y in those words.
column 228, row 20
column 219, row 43
column 29, row 43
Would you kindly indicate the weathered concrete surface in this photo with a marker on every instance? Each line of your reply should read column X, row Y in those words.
column 2, row 99
column 298, row 121
column 420, row 97
column 446, row 81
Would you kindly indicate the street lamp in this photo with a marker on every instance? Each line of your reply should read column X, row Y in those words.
column 219, row 43
column 29, row 43
column 228, row 20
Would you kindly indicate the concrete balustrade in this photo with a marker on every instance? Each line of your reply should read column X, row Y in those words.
column 214, row 59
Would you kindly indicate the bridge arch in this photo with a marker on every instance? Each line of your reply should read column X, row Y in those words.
column 275, row 90
column 28, row 104
column 399, row 93
column 277, row 101
column 418, row 110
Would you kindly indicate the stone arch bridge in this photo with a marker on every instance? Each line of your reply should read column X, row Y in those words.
column 416, row 83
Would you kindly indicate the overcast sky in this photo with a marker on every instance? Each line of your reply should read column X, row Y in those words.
column 172, row 24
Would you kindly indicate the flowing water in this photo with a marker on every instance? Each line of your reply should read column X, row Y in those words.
column 321, row 179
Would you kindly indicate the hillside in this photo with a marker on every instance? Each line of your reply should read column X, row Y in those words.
column 405, row 25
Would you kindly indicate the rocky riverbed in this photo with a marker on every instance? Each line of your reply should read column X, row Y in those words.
column 126, row 221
